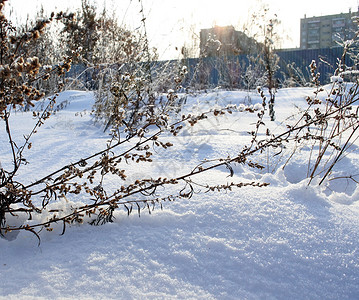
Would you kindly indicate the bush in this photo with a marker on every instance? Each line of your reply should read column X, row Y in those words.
column 143, row 129
column 139, row 123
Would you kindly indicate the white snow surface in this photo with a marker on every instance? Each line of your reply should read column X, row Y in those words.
column 285, row 241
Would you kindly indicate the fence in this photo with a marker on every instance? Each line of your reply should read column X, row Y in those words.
column 242, row 71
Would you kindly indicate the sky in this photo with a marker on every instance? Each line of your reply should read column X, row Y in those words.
column 172, row 23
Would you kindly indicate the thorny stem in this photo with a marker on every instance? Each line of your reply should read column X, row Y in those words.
column 239, row 158
column 339, row 155
column 346, row 177
column 37, row 125
column 94, row 166
column 322, row 151
column 115, row 199
column 335, row 131
column 74, row 164
column 98, row 154
column 16, row 165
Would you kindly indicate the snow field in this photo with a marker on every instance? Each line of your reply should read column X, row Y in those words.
column 285, row 241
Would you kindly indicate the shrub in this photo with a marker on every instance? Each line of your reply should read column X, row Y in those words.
column 139, row 125
column 143, row 129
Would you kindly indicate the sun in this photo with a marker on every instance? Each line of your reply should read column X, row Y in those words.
column 221, row 13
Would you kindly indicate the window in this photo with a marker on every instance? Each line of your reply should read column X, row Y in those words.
column 336, row 23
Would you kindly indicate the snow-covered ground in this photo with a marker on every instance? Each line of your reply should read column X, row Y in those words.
column 285, row 241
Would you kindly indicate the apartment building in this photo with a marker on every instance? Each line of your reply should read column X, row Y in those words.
column 327, row 31
column 224, row 41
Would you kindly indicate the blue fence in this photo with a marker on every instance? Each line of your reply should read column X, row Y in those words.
column 326, row 60
column 231, row 72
